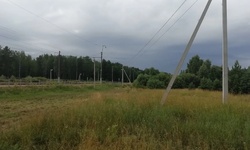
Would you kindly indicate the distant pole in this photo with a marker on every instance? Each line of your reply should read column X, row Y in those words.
column 51, row 74
column 124, row 71
column 98, row 74
column 122, row 75
column 130, row 77
column 184, row 55
column 76, row 68
column 20, row 67
column 112, row 74
column 94, row 72
column 80, row 77
column 103, row 46
column 58, row 75
column 225, row 53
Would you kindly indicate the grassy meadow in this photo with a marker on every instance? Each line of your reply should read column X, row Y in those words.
column 115, row 117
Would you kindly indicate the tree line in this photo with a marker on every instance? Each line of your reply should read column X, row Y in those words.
column 16, row 64
column 199, row 74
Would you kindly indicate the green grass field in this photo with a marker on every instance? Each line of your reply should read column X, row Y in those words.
column 113, row 117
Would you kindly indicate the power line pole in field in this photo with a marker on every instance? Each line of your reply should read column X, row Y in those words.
column 59, row 66
column 225, row 54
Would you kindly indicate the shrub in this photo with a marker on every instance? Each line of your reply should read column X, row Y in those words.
column 206, row 84
column 12, row 78
column 154, row 83
column 141, row 80
column 2, row 78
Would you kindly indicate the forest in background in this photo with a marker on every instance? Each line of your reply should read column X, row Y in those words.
column 17, row 65
column 199, row 73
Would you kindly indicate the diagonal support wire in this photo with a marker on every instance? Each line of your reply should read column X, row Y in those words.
column 184, row 55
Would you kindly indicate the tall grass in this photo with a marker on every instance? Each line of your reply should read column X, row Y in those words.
column 133, row 119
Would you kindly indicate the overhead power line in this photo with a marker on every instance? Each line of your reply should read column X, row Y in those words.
column 158, row 31
column 47, row 21
column 6, row 29
column 11, row 37
column 174, row 24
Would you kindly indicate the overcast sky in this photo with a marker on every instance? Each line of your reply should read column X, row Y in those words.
column 81, row 27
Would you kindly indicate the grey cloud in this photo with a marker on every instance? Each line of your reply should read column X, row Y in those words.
column 82, row 27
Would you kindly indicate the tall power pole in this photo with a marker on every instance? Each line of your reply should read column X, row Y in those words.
column 103, row 46
column 225, row 53
column 58, row 75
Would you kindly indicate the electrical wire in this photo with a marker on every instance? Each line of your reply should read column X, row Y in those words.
column 25, row 47
column 15, row 32
column 173, row 24
column 142, row 49
column 47, row 21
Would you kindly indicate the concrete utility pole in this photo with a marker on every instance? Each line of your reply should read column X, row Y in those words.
column 112, row 74
column 185, row 53
column 76, row 68
column 122, row 75
column 127, row 75
column 94, row 69
column 103, row 46
column 20, row 67
column 225, row 53
column 59, row 68
column 94, row 72
column 51, row 74
column 80, row 76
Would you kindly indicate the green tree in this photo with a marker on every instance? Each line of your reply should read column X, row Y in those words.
column 141, row 80
column 88, row 68
column 179, row 83
column 235, row 76
column 206, row 84
column 155, row 83
column 6, row 61
column 217, row 85
column 205, row 70
column 164, row 77
column 245, row 82
column 194, row 65
column 216, row 73
column 151, row 71
column 188, row 78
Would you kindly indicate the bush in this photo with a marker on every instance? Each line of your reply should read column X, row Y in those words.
column 154, row 83
column 28, row 79
column 217, row 85
column 141, row 80
column 41, row 79
column 12, row 78
column 206, row 84
column 2, row 78
column 191, row 86
column 179, row 83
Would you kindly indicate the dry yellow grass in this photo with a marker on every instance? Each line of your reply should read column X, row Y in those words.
column 129, row 118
